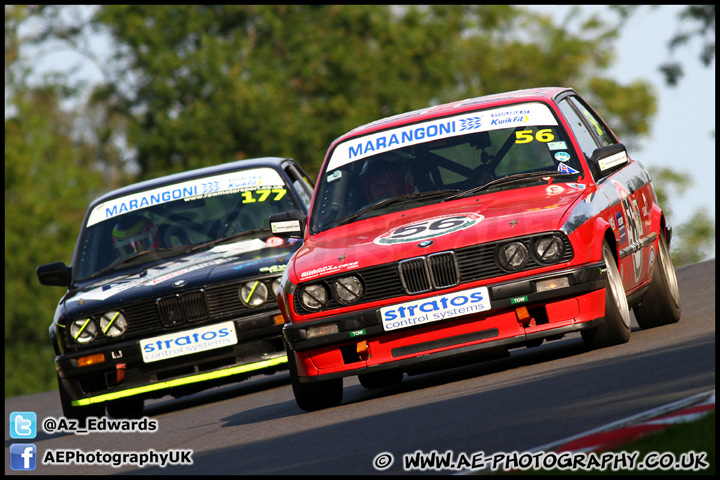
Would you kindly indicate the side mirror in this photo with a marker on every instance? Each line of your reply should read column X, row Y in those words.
column 288, row 224
column 608, row 159
column 55, row 274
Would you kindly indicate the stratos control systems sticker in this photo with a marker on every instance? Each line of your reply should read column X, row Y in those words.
column 433, row 309
column 188, row 342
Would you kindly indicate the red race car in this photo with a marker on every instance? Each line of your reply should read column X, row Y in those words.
column 454, row 233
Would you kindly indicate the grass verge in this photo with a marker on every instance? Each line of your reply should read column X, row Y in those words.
column 685, row 449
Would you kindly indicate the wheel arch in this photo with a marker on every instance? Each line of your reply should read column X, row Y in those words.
column 609, row 237
column 665, row 229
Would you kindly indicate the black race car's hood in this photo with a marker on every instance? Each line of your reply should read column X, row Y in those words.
column 221, row 264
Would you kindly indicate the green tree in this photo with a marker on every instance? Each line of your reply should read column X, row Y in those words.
column 206, row 84
column 695, row 21
column 693, row 238
column 49, row 179
column 50, row 176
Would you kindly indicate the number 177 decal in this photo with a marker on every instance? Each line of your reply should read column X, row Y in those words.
column 260, row 195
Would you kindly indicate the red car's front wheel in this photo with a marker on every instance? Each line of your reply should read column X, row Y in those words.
column 616, row 328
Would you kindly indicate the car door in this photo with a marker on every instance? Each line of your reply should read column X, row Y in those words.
column 628, row 190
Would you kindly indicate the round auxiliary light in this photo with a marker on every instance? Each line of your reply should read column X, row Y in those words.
column 254, row 293
column 83, row 330
column 314, row 297
column 549, row 249
column 113, row 324
column 513, row 256
column 348, row 290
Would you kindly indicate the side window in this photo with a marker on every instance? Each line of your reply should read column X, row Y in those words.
column 598, row 126
column 583, row 136
column 301, row 182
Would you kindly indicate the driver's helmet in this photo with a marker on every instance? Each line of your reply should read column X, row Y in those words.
column 386, row 176
column 132, row 234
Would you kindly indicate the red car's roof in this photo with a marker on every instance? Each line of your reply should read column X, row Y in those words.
column 540, row 94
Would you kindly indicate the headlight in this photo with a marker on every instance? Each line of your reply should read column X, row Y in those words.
column 513, row 256
column 347, row 290
column 314, row 297
column 253, row 294
column 275, row 286
column 83, row 330
column 549, row 249
column 113, row 324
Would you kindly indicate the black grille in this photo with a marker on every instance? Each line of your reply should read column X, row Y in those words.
column 423, row 274
column 443, row 269
column 212, row 303
column 414, row 275
column 440, row 270
column 182, row 308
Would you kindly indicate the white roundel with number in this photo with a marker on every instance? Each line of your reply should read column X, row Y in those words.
column 428, row 228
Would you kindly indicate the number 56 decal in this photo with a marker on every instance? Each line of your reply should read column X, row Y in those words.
column 428, row 228
column 526, row 136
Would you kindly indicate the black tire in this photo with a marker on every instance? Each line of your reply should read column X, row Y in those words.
column 384, row 378
column 661, row 303
column 131, row 407
column 78, row 413
column 616, row 328
column 317, row 395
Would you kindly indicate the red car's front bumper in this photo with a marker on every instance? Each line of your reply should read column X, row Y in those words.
column 519, row 315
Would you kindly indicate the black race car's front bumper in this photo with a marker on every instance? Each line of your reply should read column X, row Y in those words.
column 123, row 373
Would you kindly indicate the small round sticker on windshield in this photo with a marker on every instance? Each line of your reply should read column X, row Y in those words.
column 428, row 228
column 562, row 157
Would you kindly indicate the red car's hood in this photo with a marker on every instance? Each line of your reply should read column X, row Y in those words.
column 435, row 228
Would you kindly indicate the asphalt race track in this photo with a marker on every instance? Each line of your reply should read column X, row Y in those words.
column 534, row 397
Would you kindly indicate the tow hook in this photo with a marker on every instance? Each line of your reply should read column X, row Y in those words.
column 119, row 374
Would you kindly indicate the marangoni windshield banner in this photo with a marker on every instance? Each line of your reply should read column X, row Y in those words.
column 530, row 114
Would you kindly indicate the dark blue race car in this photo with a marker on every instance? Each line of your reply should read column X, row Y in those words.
column 171, row 287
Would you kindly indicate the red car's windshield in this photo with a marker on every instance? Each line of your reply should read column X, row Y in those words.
column 451, row 154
